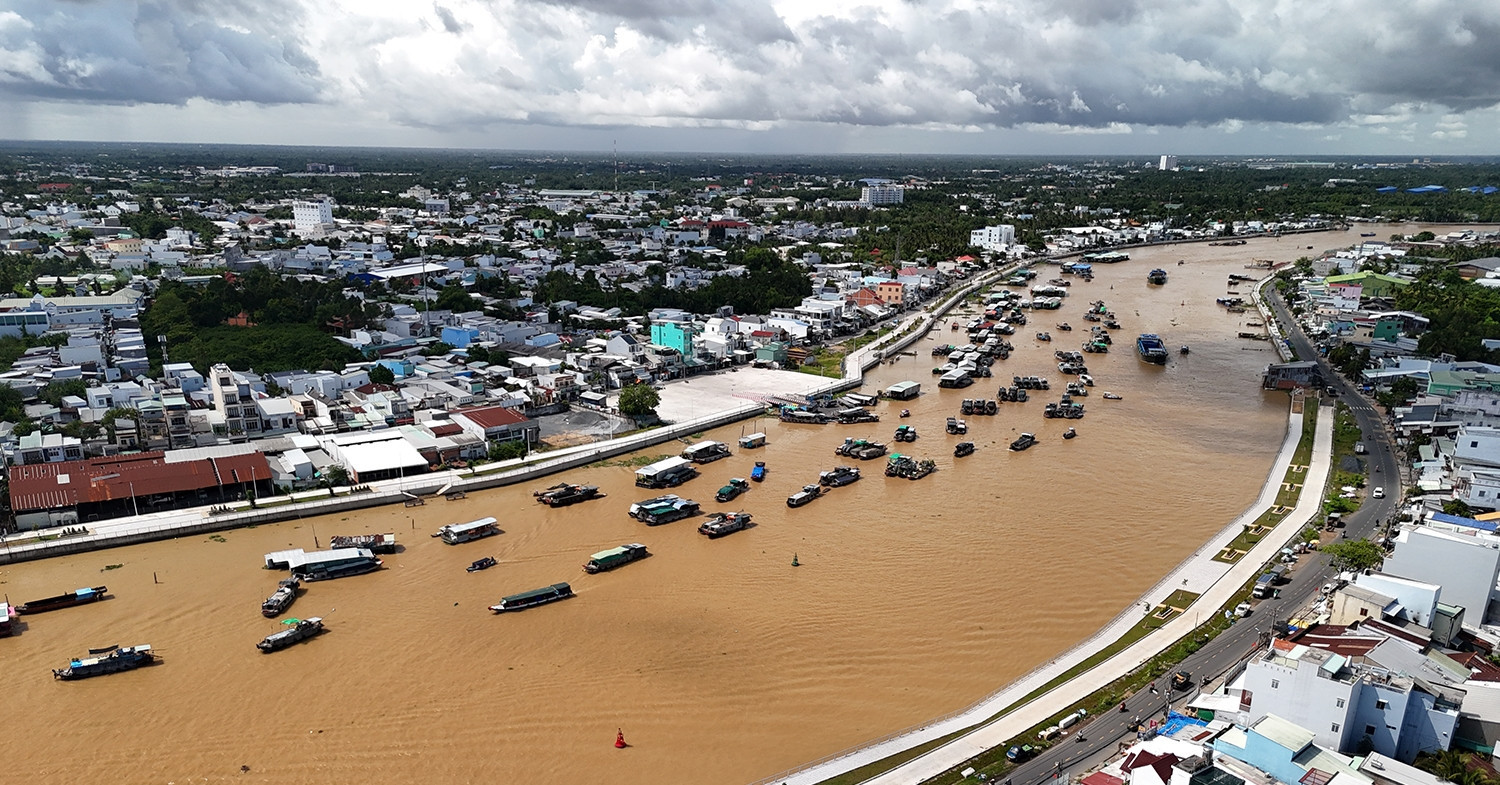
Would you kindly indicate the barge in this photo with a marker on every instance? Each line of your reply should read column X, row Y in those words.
column 374, row 543
column 76, row 597
column 564, row 494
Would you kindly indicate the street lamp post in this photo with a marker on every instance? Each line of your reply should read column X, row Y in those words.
column 133, row 505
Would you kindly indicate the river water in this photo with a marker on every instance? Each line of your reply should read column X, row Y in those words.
column 720, row 660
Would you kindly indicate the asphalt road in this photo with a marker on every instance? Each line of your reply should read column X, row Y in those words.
column 1097, row 739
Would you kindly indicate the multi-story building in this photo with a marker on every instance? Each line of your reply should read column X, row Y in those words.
column 1168, row 163
column 993, row 238
column 1347, row 706
column 311, row 216
column 234, row 402
column 882, row 194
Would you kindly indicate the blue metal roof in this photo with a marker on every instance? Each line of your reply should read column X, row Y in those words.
column 1458, row 520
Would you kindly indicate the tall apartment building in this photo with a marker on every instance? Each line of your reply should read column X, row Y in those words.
column 311, row 216
column 882, row 194
column 1168, row 163
column 993, row 238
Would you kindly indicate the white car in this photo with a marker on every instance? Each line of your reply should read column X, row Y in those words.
column 1242, row 610
column 1378, row 493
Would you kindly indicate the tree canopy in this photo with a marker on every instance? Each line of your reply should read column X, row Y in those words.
column 639, row 400
column 1354, row 555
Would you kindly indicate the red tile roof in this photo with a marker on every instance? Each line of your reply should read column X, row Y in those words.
column 446, row 429
column 49, row 486
column 493, row 416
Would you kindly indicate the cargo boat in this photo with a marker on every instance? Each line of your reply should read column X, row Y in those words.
column 724, row 523
column 758, row 473
column 327, row 565
column 298, row 630
column 1153, row 350
column 281, row 599
column 564, row 494
column 111, row 659
column 481, row 564
column 7, row 620
column 1023, row 442
column 68, row 600
column 962, row 449
column 728, row 493
column 664, row 511
column 1157, row 277
column 374, row 543
column 863, row 449
column 604, row 561
column 533, row 598
column 839, row 476
column 666, row 473
column 807, row 494
column 457, row 533
column 706, row 452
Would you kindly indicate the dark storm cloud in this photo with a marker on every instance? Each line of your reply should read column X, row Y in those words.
column 153, row 52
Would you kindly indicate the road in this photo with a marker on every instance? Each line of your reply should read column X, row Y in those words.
column 1098, row 739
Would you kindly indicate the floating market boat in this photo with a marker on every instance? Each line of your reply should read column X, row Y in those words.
column 565, row 493
column 736, row 486
column 1024, row 442
column 804, row 496
column 1152, row 349
column 724, row 523
column 66, row 600
column 604, row 561
column 759, row 472
column 1157, row 277
column 374, row 543
column 110, row 659
column 839, row 476
column 281, row 599
column 533, row 598
column 481, row 564
column 962, row 449
column 298, row 630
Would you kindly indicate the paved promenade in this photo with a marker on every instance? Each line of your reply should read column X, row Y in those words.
column 1214, row 581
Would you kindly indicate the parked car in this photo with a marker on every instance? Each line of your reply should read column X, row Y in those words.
column 1242, row 610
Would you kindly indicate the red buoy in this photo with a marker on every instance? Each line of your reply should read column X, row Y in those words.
column 620, row 740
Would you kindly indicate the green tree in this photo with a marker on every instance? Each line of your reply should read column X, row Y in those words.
column 379, row 374
column 455, row 298
column 505, row 451
column 1354, row 555
column 639, row 400
column 1457, row 507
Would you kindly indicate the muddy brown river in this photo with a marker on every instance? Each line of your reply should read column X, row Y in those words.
column 720, row 660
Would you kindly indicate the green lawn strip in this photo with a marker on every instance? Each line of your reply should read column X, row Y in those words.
column 1286, row 497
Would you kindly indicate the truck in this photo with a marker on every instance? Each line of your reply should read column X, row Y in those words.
column 1265, row 586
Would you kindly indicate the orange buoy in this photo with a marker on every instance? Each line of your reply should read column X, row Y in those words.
column 620, row 740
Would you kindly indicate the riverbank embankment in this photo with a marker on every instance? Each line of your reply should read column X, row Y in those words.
column 1214, row 581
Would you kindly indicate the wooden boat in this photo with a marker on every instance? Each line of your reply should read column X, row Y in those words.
column 66, row 600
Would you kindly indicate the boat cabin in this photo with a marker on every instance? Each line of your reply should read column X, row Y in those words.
column 752, row 441
column 334, row 563
column 665, row 473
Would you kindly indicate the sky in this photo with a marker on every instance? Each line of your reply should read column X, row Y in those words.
column 1011, row 77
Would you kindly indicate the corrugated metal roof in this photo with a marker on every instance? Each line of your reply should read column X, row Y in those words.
column 53, row 485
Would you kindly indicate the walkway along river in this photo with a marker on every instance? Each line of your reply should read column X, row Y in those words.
column 720, row 660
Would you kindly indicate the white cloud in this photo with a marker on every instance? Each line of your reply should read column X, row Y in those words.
column 459, row 69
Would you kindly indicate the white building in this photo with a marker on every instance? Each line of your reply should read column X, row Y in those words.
column 993, row 238
column 882, row 194
column 311, row 216
column 1466, row 567
column 1168, row 163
